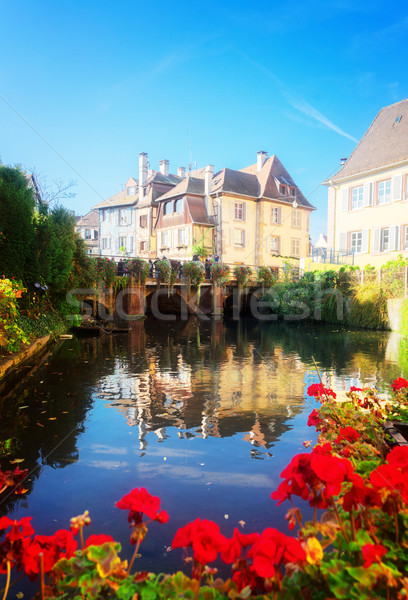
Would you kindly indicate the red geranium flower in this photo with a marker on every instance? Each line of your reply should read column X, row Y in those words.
column 52, row 547
column 318, row 390
column 372, row 553
column 140, row 502
column 314, row 418
column 274, row 549
column 355, row 389
column 398, row 457
column 390, row 478
column 360, row 494
column 399, row 383
column 237, row 544
column 204, row 537
column 97, row 540
column 349, row 434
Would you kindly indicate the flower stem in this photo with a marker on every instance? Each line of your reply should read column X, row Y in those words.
column 42, row 575
column 81, row 533
column 340, row 522
column 6, row 589
column 396, row 525
column 139, row 539
column 353, row 526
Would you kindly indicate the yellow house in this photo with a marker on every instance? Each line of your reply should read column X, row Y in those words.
column 262, row 216
column 255, row 217
column 368, row 196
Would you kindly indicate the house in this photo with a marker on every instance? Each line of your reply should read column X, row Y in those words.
column 87, row 228
column 368, row 196
column 256, row 216
column 117, row 216
column 262, row 216
column 182, row 218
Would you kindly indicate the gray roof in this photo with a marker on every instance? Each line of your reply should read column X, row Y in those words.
column 384, row 143
column 188, row 185
column 91, row 219
column 169, row 179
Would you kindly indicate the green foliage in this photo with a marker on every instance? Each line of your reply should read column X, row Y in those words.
column 267, row 276
column 82, row 270
column 194, row 271
column 163, row 267
column 17, row 233
column 242, row 274
column 404, row 319
column 220, row 273
column 137, row 267
column 105, row 270
column 368, row 307
column 62, row 248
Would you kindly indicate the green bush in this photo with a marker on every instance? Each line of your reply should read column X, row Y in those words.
column 368, row 307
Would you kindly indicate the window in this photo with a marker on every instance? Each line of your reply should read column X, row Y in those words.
column 295, row 247
column 356, row 242
column 88, row 234
column 123, row 216
column 296, row 218
column 357, row 197
column 239, row 211
column 275, row 244
column 122, row 242
column 168, row 208
column 106, row 243
column 179, row 205
column 239, row 237
column 181, row 237
column 384, row 192
column 164, row 239
column 275, row 215
column 142, row 246
column 284, row 190
column 104, row 214
column 406, row 238
column 384, row 239
column 131, row 190
column 143, row 221
column 96, row 234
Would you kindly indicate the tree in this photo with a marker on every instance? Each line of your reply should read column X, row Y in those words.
column 17, row 233
column 62, row 248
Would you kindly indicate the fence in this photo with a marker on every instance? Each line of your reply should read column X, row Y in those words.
column 394, row 282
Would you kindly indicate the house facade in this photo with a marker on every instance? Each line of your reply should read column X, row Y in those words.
column 87, row 228
column 117, row 216
column 368, row 196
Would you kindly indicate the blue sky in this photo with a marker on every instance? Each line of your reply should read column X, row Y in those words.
column 87, row 85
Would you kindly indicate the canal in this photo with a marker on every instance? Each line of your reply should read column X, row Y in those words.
column 204, row 415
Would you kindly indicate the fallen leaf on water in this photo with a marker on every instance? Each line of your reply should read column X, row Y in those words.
column 39, row 425
column 64, row 412
column 226, row 516
column 17, row 460
column 21, row 407
column 209, row 483
column 242, row 523
column 52, row 418
column 20, row 594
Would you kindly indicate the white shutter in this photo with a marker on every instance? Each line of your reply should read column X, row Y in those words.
column 130, row 243
column 368, row 194
column 116, row 217
column 244, row 211
column 109, row 243
column 116, row 245
column 343, row 242
column 397, row 245
column 345, row 199
column 364, row 242
column 376, row 239
column 130, row 214
column 396, row 188
column 391, row 238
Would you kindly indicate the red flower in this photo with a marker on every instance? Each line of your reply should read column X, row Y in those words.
column 140, row 502
column 274, row 549
column 318, row 390
column 52, row 547
column 349, row 434
column 372, row 553
column 19, row 529
column 204, row 537
column 314, row 418
column 97, row 540
column 398, row 457
column 399, row 383
column 390, row 478
column 237, row 544
column 360, row 493
column 355, row 389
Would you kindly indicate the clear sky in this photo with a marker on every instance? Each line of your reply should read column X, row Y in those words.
column 86, row 85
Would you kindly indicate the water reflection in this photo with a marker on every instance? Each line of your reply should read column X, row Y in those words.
column 204, row 414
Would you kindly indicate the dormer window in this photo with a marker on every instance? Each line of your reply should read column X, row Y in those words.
column 179, row 205
column 131, row 190
column 168, row 208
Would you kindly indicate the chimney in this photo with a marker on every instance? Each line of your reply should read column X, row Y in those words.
column 181, row 172
column 142, row 173
column 343, row 161
column 208, row 175
column 164, row 167
column 150, row 173
column 261, row 157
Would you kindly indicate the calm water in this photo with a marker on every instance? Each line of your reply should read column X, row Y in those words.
column 206, row 416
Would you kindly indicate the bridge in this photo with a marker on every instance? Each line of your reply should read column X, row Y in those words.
column 164, row 301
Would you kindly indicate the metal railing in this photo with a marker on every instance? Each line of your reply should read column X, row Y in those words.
column 330, row 256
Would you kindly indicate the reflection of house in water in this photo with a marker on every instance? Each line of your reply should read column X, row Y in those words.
column 246, row 392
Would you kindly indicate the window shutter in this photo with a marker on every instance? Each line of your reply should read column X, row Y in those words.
column 116, row 245
column 244, row 211
column 116, row 217
column 279, row 215
column 364, row 242
column 397, row 237
column 130, row 243
column 376, row 239
column 246, row 238
column 278, row 245
column 345, row 200
column 396, row 188
column 343, row 242
column 368, row 194
column 391, row 238
column 130, row 215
